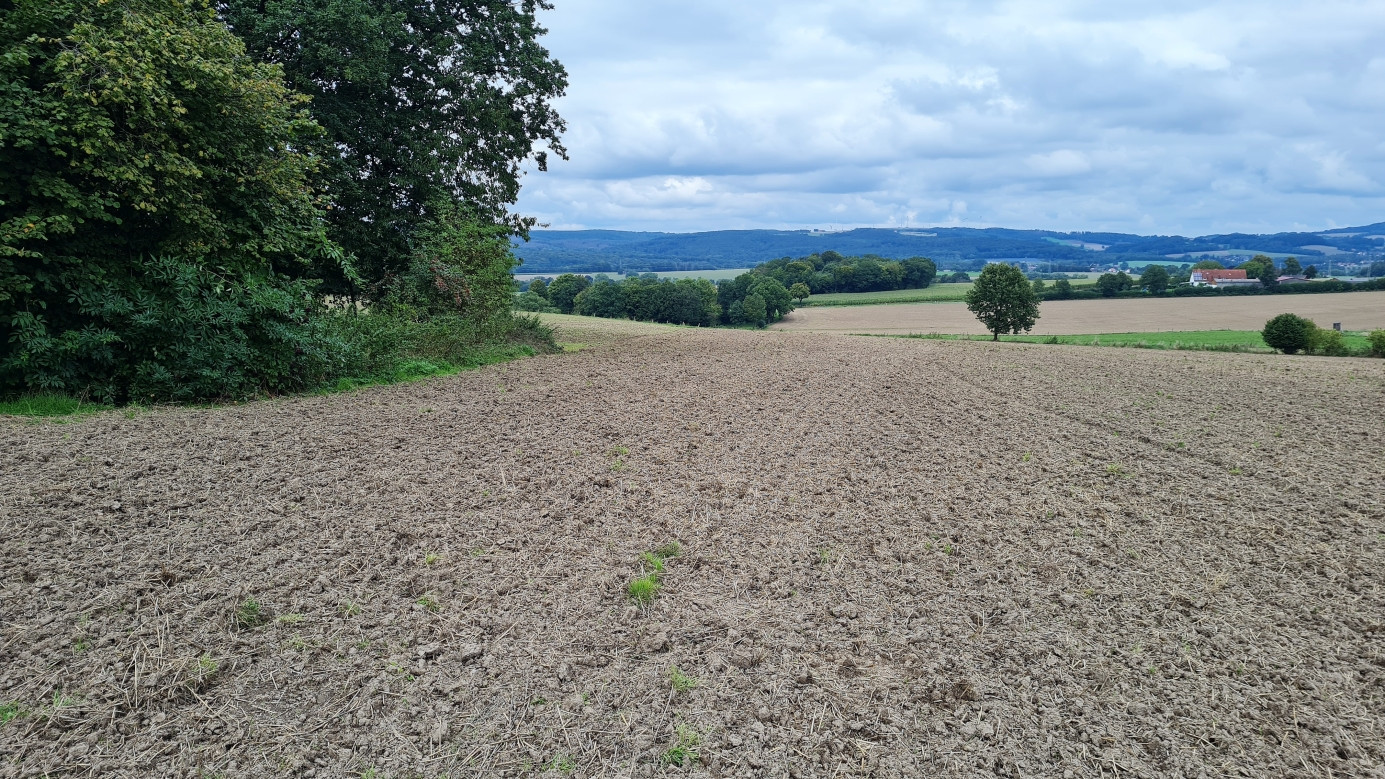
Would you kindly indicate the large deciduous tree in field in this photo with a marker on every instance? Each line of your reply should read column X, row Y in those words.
column 155, row 205
column 1155, row 278
column 1003, row 299
column 423, row 101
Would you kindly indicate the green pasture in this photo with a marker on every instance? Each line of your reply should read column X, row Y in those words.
column 1195, row 340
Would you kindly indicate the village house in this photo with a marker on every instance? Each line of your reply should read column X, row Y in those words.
column 1219, row 278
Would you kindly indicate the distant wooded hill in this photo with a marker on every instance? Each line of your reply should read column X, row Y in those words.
column 616, row 251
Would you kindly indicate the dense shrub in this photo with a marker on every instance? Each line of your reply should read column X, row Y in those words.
column 136, row 130
column 1377, row 343
column 461, row 267
column 1327, row 342
column 383, row 348
column 1289, row 333
column 166, row 329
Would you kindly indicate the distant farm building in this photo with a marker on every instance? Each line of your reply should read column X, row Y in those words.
column 1219, row 278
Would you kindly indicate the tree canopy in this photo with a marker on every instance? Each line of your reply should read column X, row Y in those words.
column 831, row 272
column 1003, row 299
column 153, row 174
column 423, row 101
column 1155, row 278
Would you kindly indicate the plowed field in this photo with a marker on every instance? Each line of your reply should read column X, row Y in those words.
column 898, row 558
column 1355, row 310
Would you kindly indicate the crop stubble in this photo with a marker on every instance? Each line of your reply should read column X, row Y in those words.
column 900, row 558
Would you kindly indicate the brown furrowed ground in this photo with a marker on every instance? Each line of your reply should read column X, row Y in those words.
column 1355, row 310
column 899, row 558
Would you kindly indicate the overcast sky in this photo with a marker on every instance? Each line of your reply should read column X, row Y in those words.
column 1150, row 117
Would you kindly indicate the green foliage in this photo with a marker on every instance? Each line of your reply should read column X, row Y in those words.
column 771, row 299
column 1377, row 343
column 1003, row 300
column 9, row 711
column 799, row 291
column 461, row 267
column 1289, row 333
column 684, row 749
column 155, row 210
column 139, row 127
column 1261, row 267
column 1155, row 278
column 1292, row 267
column 643, row 589
column 1062, row 289
column 533, row 303
column 392, row 347
column 166, row 329
column 647, row 298
column 250, row 614
column 1327, row 342
column 681, row 682
column 49, row 404
column 830, row 272
column 1112, row 283
column 754, row 310
column 605, row 298
column 423, row 103
column 563, row 291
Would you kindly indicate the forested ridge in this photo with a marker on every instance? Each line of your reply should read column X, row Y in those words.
column 957, row 248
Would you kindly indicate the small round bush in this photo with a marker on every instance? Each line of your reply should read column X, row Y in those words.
column 1289, row 333
column 1378, row 343
column 1330, row 343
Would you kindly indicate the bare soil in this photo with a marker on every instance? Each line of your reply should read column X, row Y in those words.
column 1355, row 310
column 899, row 558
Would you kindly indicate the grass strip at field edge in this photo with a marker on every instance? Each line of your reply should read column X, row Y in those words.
column 61, row 408
column 1249, row 341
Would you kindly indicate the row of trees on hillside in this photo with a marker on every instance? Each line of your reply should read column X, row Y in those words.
column 749, row 299
column 831, row 272
column 185, row 182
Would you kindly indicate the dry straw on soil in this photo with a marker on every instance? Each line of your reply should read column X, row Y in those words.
column 898, row 558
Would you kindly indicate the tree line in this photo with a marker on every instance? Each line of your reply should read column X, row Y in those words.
column 200, row 198
column 751, row 299
column 829, row 272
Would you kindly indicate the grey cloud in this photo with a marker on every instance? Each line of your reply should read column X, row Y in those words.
column 1171, row 117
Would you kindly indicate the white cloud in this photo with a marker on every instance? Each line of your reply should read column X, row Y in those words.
column 1178, row 116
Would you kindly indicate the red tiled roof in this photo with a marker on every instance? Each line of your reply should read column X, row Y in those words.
column 1221, row 275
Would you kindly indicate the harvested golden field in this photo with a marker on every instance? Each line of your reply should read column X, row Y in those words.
column 896, row 558
column 1355, row 310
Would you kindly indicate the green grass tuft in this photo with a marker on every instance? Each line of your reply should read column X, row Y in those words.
column 681, row 682
column 49, row 404
column 643, row 589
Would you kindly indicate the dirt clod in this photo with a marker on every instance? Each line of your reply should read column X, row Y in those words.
column 898, row 559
